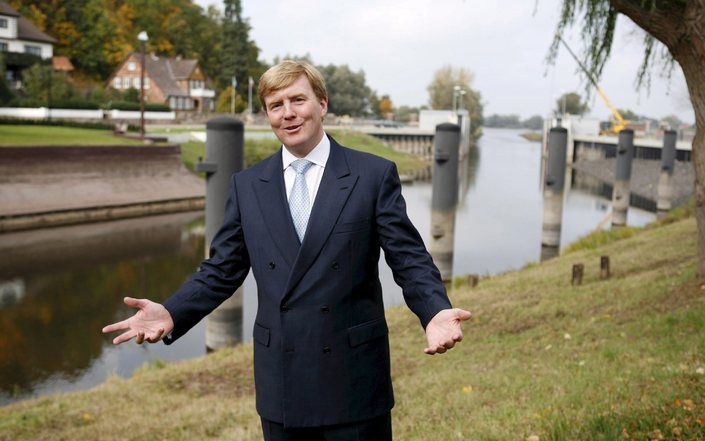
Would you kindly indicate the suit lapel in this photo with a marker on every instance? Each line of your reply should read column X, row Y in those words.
column 336, row 184
column 271, row 197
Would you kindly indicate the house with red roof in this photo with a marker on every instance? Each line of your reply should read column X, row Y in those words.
column 177, row 82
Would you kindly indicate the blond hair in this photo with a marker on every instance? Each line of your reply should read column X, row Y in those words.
column 285, row 73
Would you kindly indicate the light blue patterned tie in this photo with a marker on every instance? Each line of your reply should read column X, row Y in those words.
column 299, row 203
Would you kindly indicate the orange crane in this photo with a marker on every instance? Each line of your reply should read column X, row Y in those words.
column 618, row 123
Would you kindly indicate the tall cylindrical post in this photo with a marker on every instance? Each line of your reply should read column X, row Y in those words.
column 224, row 156
column 668, row 158
column 554, row 183
column 445, row 197
column 623, row 176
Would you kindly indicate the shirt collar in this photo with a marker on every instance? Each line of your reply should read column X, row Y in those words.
column 319, row 154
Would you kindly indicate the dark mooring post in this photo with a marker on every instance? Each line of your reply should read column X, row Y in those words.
column 445, row 197
column 224, row 156
column 668, row 159
column 623, row 176
column 554, row 183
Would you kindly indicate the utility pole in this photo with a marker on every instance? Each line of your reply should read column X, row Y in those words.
column 249, row 96
column 233, row 85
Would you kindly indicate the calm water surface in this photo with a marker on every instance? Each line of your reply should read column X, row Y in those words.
column 60, row 286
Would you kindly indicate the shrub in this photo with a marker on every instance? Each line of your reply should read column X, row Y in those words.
column 126, row 105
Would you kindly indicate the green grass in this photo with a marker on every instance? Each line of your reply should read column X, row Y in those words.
column 259, row 149
column 540, row 357
column 23, row 135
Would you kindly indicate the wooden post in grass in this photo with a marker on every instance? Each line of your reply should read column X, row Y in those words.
column 577, row 279
column 605, row 267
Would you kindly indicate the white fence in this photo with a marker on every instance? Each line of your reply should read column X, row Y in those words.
column 43, row 113
column 135, row 114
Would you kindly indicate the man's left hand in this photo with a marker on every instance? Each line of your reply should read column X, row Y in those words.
column 443, row 331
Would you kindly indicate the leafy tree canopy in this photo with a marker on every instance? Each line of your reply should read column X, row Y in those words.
column 442, row 88
column 571, row 103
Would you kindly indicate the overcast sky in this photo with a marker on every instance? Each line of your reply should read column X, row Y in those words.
column 399, row 44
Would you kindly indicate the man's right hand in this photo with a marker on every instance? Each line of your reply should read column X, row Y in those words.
column 150, row 323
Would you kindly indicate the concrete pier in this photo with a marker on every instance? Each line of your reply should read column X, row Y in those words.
column 623, row 174
column 665, row 184
column 224, row 156
column 554, row 183
column 445, row 197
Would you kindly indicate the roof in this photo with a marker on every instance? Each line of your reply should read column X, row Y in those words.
column 167, row 71
column 62, row 63
column 25, row 28
column 27, row 31
column 6, row 9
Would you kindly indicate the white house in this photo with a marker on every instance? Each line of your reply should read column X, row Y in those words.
column 19, row 35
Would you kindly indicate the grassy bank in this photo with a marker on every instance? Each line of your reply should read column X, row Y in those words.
column 259, row 149
column 615, row 359
column 532, row 136
column 55, row 136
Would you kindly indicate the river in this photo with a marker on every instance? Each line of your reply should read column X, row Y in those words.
column 60, row 286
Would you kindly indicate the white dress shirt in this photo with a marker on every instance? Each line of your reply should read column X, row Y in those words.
column 318, row 156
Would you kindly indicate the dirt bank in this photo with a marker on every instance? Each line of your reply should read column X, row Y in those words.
column 41, row 186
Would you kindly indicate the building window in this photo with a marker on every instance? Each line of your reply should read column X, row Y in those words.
column 33, row 50
column 3, row 46
column 131, row 66
column 3, row 23
column 146, row 82
column 172, row 102
column 117, row 83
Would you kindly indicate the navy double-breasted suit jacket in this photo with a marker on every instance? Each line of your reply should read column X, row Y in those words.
column 321, row 348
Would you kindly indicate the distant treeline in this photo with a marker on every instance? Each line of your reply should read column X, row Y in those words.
column 514, row 122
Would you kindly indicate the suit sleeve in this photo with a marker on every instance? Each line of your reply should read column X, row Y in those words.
column 405, row 252
column 218, row 276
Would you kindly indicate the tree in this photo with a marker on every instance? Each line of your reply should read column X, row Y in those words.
column 506, row 121
column 673, row 121
column 628, row 115
column 6, row 94
column 677, row 26
column 571, row 103
column 534, row 122
column 441, row 91
column 348, row 93
column 407, row 113
column 386, row 108
column 223, row 103
column 36, row 84
column 234, row 57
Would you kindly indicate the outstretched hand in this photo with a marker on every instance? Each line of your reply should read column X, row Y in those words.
column 443, row 331
column 150, row 323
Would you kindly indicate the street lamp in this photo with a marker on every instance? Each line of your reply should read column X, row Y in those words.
column 455, row 97
column 142, row 37
column 461, row 106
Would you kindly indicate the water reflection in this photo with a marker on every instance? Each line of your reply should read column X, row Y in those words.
column 59, row 287
column 69, row 282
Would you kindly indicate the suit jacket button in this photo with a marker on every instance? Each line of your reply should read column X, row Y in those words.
column 326, row 350
column 285, row 308
column 335, row 265
column 272, row 265
column 325, row 308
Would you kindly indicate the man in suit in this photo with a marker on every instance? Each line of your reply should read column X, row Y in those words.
column 310, row 221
